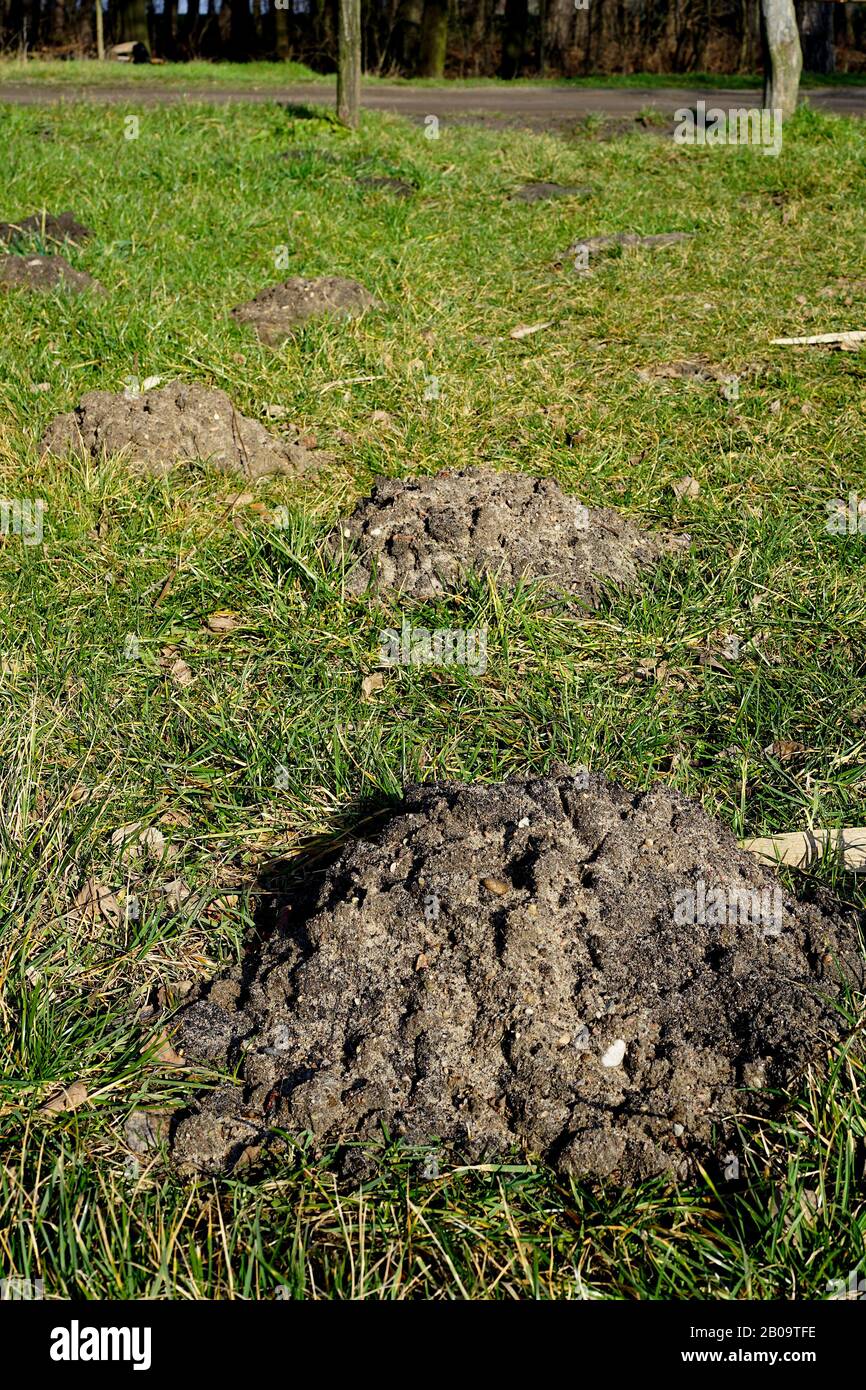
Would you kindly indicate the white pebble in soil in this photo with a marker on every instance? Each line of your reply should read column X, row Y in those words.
column 614, row 1054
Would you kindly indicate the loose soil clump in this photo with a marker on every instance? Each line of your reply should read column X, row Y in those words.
column 606, row 243
column 423, row 536
column 44, row 273
column 385, row 183
column 540, row 192
column 280, row 308
column 176, row 424
column 48, row 226
column 698, row 370
column 533, row 965
column 590, row 247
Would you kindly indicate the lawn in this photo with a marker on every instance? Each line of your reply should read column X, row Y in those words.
column 273, row 751
column 89, row 72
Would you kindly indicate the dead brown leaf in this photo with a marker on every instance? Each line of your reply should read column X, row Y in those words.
column 180, row 672
column 784, row 749
column 370, row 684
column 382, row 419
column 93, row 901
column 712, row 662
column 137, row 841
column 686, row 487
column 652, row 669
column 176, row 893
column 70, row 1098
column 222, row 621
column 161, row 1050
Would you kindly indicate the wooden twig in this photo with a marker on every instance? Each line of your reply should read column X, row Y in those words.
column 801, row 848
column 849, row 338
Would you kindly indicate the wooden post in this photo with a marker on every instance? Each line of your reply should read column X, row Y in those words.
column 349, row 63
column 100, row 39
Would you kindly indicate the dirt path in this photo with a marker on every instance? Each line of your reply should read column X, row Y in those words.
column 534, row 105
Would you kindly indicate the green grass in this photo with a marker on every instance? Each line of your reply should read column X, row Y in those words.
column 264, row 74
column 198, row 72
column 188, row 218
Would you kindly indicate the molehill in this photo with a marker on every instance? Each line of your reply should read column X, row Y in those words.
column 422, row 536
column 518, row 966
column 276, row 311
column 160, row 429
column 47, row 226
column 45, row 273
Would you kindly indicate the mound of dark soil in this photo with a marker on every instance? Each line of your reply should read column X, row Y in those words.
column 522, row 965
column 47, row 226
column 44, row 273
column 422, row 536
column 540, row 192
column 592, row 245
column 173, row 425
column 280, row 308
column 385, row 183
column 696, row 369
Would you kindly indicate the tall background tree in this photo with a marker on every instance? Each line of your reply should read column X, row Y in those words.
column 817, row 22
column 514, row 37
column 349, row 63
column 434, row 39
column 467, row 38
column 130, row 18
column 783, row 56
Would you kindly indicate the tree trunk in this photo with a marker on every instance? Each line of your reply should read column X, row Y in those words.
column 283, row 38
column 513, row 37
column 349, row 63
column 408, row 34
column 132, row 22
column 100, row 36
column 816, row 20
column 783, row 60
column 434, row 39
column 164, row 31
